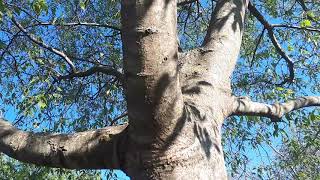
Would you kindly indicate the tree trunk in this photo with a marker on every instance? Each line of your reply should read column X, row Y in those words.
column 176, row 101
column 176, row 109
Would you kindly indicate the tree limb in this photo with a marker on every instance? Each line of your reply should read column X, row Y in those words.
column 119, row 117
column 296, row 27
column 185, row 2
column 42, row 44
column 94, row 149
column 257, row 45
column 221, row 45
column 275, row 42
column 93, row 70
column 92, row 24
column 244, row 106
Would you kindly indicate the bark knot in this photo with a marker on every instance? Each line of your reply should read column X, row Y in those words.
column 147, row 31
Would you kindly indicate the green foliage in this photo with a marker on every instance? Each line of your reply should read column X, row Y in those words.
column 29, row 84
column 305, row 23
column 29, row 76
column 299, row 156
column 40, row 6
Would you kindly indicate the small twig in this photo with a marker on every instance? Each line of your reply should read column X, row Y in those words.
column 256, row 48
column 117, row 118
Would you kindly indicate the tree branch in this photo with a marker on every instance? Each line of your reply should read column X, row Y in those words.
column 257, row 45
column 42, row 44
column 222, row 42
column 185, row 2
column 296, row 27
column 275, row 42
column 244, row 106
column 119, row 117
column 306, row 10
column 77, row 24
column 93, row 70
column 94, row 149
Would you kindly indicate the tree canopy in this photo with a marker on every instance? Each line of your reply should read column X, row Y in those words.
column 61, row 68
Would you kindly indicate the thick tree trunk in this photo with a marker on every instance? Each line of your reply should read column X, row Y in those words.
column 176, row 112
column 176, row 101
column 193, row 149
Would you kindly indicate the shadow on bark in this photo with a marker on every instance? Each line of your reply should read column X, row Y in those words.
column 191, row 113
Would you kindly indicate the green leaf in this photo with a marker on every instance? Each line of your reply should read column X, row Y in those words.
column 40, row 5
column 279, row 88
column 2, row 6
column 305, row 23
column 42, row 105
column 83, row 5
column 310, row 14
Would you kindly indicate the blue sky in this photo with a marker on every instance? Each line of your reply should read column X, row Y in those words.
column 256, row 156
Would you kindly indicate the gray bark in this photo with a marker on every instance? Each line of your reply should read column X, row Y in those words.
column 244, row 106
column 176, row 112
column 83, row 150
column 176, row 101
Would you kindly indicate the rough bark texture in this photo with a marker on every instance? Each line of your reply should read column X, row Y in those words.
column 176, row 101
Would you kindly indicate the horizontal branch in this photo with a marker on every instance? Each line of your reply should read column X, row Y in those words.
column 94, row 149
column 244, row 106
column 42, row 44
column 93, row 70
column 77, row 24
column 296, row 27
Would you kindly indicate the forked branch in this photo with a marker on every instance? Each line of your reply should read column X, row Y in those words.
column 269, row 27
column 94, row 149
column 244, row 106
column 42, row 44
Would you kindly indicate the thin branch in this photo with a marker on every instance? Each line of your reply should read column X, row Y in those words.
column 93, row 149
column 306, row 9
column 256, row 48
column 76, row 24
column 274, row 41
column 42, row 44
column 6, row 49
column 119, row 117
column 296, row 27
column 244, row 106
column 282, row 53
column 93, row 70
column 185, row 2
